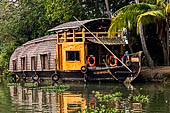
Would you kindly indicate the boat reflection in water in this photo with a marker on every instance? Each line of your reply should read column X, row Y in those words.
column 35, row 100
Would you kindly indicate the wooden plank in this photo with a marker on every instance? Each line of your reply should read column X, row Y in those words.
column 60, row 57
column 65, row 36
column 98, row 32
column 83, row 34
column 97, row 37
column 57, row 37
column 74, row 35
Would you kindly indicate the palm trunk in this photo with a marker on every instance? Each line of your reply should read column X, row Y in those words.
column 145, row 50
column 107, row 7
column 167, row 40
column 137, row 1
column 129, row 41
column 164, row 50
column 163, row 41
column 163, row 37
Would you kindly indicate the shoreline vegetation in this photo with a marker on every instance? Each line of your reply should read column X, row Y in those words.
column 156, row 74
column 46, row 87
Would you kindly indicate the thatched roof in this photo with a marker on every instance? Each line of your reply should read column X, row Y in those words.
column 30, row 45
column 34, row 48
column 108, row 41
column 76, row 24
column 41, row 39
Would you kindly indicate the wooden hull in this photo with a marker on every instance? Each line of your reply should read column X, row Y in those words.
column 73, row 76
column 92, row 75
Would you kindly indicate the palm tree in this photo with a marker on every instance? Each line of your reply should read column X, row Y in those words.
column 107, row 7
column 143, row 41
column 137, row 15
column 164, row 5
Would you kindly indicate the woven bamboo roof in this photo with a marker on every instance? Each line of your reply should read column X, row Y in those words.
column 41, row 39
column 76, row 24
column 108, row 41
column 31, row 47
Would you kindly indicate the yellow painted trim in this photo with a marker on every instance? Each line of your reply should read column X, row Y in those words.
column 83, row 34
column 65, row 36
column 74, row 36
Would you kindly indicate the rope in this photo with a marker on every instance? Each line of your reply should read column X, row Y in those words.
column 109, row 70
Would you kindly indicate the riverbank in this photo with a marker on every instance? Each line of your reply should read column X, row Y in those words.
column 156, row 74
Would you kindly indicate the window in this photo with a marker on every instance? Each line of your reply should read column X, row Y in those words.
column 73, row 55
column 23, row 63
column 44, row 61
column 33, row 63
column 14, row 65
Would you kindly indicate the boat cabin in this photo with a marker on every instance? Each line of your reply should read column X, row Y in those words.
column 75, row 44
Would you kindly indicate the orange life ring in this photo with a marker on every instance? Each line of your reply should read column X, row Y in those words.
column 113, row 61
column 91, row 61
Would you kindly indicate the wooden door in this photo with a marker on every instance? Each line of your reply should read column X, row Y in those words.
column 60, row 60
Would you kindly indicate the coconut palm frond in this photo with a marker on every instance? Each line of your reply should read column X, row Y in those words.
column 139, row 6
column 162, row 3
column 132, row 14
column 117, row 23
column 167, row 10
column 121, row 21
column 149, row 17
column 128, row 13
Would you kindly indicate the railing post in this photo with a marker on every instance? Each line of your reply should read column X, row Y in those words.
column 57, row 37
column 83, row 34
column 97, row 35
column 121, row 35
column 65, row 36
column 74, row 36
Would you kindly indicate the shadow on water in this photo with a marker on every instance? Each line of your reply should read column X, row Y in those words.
column 78, row 96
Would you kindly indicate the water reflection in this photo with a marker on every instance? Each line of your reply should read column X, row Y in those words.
column 22, row 99
column 35, row 100
column 5, row 100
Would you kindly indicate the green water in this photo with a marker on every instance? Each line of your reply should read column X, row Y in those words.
column 17, row 99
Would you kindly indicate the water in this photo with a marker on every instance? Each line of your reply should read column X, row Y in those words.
column 26, row 100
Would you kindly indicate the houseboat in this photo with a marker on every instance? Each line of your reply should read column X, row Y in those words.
column 78, row 50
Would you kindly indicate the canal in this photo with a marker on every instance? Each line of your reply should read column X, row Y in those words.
column 20, row 99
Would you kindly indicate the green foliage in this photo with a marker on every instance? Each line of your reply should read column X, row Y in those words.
column 56, row 87
column 149, row 1
column 31, row 84
column 59, row 88
column 132, row 14
column 114, row 103
column 141, row 99
column 167, row 83
column 150, row 17
column 19, row 22
column 106, row 98
column 146, row 12
column 62, row 10
column 6, row 50
column 100, row 109
column 13, row 84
